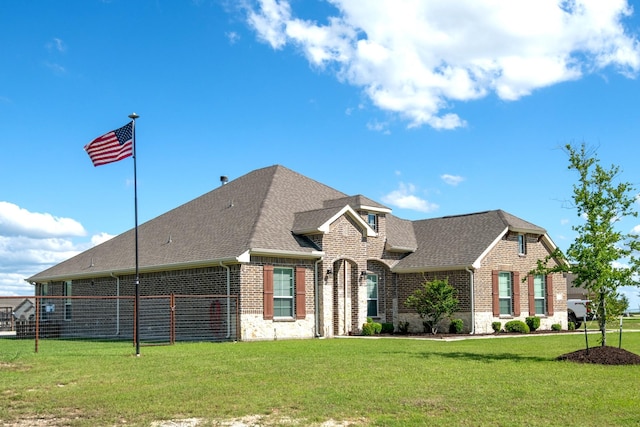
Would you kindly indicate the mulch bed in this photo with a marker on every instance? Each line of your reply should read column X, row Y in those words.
column 603, row 356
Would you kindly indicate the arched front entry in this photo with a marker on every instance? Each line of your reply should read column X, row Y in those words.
column 345, row 297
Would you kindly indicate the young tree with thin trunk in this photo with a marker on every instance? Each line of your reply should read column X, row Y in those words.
column 434, row 302
column 597, row 255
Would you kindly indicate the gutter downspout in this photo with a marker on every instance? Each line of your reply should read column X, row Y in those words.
column 473, row 314
column 228, row 299
column 117, row 303
column 316, row 297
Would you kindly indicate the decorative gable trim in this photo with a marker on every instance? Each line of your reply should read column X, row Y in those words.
column 478, row 262
column 325, row 226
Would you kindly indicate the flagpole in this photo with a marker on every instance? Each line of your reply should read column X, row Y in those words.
column 133, row 117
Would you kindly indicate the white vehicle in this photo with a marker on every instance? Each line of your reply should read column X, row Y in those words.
column 578, row 311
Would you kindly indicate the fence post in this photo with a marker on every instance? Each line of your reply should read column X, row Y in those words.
column 36, row 332
column 172, row 319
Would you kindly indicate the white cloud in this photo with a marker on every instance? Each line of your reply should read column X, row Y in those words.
column 416, row 58
column 452, row 179
column 16, row 221
column 56, row 68
column 405, row 198
column 636, row 229
column 31, row 242
column 233, row 37
column 100, row 238
column 57, row 45
column 377, row 126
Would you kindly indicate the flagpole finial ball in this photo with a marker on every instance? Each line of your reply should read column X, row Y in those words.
column 133, row 116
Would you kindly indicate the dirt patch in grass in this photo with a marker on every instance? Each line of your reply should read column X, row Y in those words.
column 254, row 421
column 602, row 356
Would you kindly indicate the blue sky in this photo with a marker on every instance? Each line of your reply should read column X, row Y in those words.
column 432, row 108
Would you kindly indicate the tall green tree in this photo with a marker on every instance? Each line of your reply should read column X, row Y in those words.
column 435, row 301
column 600, row 251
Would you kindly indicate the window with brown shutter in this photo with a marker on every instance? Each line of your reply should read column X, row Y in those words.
column 516, row 293
column 495, row 293
column 549, row 295
column 532, row 297
column 301, row 309
column 267, row 296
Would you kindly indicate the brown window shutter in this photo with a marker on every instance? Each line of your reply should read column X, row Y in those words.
column 495, row 293
column 532, row 295
column 549, row 290
column 516, row 293
column 299, row 285
column 267, row 279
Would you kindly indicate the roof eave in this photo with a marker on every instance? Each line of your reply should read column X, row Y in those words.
column 405, row 270
column 145, row 269
column 403, row 249
column 374, row 209
column 293, row 254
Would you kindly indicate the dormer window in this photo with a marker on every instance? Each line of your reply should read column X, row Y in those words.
column 372, row 220
column 522, row 244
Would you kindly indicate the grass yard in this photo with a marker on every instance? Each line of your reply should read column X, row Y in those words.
column 510, row 381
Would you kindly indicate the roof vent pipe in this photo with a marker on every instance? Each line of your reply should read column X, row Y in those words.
column 223, row 179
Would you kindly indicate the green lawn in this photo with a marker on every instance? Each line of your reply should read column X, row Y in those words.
column 509, row 381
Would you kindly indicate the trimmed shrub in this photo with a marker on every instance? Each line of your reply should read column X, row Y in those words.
column 571, row 326
column 387, row 328
column 403, row 327
column 456, row 326
column 371, row 327
column 368, row 329
column 496, row 326
column 556, row 327
column 533, row 322
column 516, row 326
column 377, row 327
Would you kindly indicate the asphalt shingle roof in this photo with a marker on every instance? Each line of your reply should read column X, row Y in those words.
column 263, row 210
column 253, row 211
column 458, row 241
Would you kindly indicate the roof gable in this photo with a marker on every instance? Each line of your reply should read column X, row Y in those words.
column 320, row 220
column 460, row 241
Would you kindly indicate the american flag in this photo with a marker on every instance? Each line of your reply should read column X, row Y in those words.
column 112, row 146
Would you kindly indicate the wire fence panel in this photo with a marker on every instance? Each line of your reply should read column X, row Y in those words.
column 163, row 319
column 155, row 320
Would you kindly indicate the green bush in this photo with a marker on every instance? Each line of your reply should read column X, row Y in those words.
column 516, row 326
column 571, row 326
column 496, row 326
column 371, row 327
column 533, row 322
column 556, row 327
column 387, row 328
column 456, row 326
column 368, row 329
column 403, row 327
column 377, row 327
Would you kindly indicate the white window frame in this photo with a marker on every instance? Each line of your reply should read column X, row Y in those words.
column 372, row 279
column 540, row 293
column 505, row 291
column 522, row 244
column 283, row 292
column 372, row 220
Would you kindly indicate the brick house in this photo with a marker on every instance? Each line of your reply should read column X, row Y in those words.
column 305, row 260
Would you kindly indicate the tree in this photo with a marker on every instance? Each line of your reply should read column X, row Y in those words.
column 435, row 301
column 596, row 256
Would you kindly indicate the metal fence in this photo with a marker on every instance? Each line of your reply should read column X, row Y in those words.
column 164, row 319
